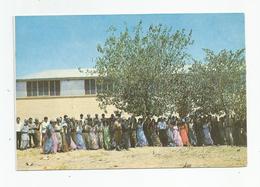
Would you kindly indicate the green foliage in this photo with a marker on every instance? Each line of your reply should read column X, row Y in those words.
column 143, row 67
column 145, row 73
column 220, row 82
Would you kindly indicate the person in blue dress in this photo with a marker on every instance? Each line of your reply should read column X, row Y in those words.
column 79, row 139
column 141, row 139
column 206, row 131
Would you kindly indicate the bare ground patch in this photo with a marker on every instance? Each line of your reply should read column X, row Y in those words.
column 147, row 157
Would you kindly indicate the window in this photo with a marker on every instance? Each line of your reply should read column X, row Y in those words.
column 54, row 87
column 90, row 86
column 29, row 88
column 43, row 88
column 46, row 87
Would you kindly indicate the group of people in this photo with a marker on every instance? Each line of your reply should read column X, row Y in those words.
column 64, row 134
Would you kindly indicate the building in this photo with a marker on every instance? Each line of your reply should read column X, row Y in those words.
column 55, row 93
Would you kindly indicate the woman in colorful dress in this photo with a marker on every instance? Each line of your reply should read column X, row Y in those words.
column 93, row 139
column 71, row 143
column 51, row 141
column 25, row 136
column 106, row 135
column 154, row 134
column 141, row 139
column 206, row 132
column 184, row 133
column 176, row 135
column 79, row 139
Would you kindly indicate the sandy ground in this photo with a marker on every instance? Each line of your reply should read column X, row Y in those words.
column 147, row 157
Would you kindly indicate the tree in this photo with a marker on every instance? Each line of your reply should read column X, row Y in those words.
column 142, row 69
column 220, row 82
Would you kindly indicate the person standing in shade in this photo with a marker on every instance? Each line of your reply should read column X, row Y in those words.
column 141, row 139
column 170, row 133
column 206, row 132
column 147, row 133
column 192, row 134
column 198, row 130
column 25, row 136
column 93, row 139
column 106, row 134
column 228, row 130
column 99, row 126
column 19, row 127
column 118, row 133
column 112, row 120
column 155, row 134
column 125, row 133
column 223, row 139
column 162, row 131
column 215, row 131
column 184, row 131
column 176, row 134
column 133, row 123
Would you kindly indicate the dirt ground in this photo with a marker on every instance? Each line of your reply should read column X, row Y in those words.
column 147, row 157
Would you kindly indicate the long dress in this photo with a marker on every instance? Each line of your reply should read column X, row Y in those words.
column 24, row 137
column 93, row 139
column 141, row 139
column 125, row 135
column 170, row 136
column 133, row 140
column 65, row 146
column 57, row 129
column 154, row 136
column 106, row 138
column 176, row 136
column 71, row 143
column 207, row 137
column 100, row 136
column 184, row 134
column 79, row 139
column 117, row 134
column 51, row 141
column 192, row 134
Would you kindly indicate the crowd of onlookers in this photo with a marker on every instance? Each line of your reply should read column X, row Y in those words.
column 116, row 132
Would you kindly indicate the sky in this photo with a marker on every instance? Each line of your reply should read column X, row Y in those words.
column 63, row 42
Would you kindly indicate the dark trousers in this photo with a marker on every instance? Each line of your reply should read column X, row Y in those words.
column 18, row 140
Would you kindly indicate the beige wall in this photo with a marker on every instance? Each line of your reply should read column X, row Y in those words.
column 53, row 107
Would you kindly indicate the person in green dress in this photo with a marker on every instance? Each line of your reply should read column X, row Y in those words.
column 106, row 133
